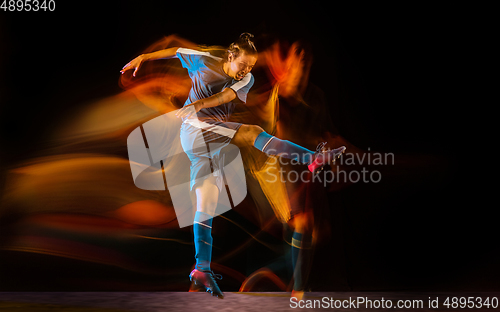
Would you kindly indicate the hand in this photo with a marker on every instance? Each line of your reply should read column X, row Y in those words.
column 189, row 110
column 135, row 63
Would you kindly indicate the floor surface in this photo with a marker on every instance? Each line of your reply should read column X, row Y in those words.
column 260, row 302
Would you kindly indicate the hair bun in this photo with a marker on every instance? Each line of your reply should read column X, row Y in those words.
column 246, row 36
column 244, row 44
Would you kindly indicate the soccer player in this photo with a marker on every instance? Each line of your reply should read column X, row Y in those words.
column 218, row 84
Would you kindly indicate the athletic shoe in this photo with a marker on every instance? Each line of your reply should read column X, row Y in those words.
column 324, row 157
column 206, row 280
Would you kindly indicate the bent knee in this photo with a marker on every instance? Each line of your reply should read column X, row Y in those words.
column 248, row 133
column 252, row 129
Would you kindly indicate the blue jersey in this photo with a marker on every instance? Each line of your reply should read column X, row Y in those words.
column 208, row 78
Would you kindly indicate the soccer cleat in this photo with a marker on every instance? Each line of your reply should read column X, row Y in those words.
column 207, row 280
column 324, row 157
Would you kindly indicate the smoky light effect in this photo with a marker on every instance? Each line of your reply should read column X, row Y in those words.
column 82, row 181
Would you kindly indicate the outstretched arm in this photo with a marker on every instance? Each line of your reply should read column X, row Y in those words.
column 225, row 96
column 136, row 63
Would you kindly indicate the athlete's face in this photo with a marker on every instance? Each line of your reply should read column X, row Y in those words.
column 240, row 66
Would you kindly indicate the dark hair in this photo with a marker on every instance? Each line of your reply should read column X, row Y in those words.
column 243, row 44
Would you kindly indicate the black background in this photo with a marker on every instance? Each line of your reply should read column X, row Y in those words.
column 386, row 68
column 388, row 72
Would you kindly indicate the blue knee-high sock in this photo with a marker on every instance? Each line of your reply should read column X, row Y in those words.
column 271, row 145
column 301, row 259
column 202, row 230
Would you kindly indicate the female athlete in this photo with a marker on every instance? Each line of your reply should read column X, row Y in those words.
column 218, row 84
